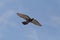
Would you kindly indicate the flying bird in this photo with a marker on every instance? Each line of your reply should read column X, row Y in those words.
column 28, row 19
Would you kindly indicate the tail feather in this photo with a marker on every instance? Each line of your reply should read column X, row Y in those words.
column 24, row 23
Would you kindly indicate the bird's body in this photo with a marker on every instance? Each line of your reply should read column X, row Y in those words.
column 28, row 19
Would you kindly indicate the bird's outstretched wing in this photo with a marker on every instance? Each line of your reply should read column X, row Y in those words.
column 34, row 21
column 23, row 16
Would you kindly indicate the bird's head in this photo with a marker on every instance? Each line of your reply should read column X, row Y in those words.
column 32, row 19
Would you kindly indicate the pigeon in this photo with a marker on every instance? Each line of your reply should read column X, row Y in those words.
column 28, row 19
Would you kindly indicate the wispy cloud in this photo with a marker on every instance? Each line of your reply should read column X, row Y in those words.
column 4, row 17
column 4, row 21
column 56, row 19
column 33, row 35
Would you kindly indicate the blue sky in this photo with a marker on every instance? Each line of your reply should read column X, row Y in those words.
column 47, row 12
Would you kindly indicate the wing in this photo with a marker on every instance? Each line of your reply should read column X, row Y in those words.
column 36, row 22
column 23, row 16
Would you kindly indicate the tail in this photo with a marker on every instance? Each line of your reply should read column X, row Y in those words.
column 25, row 23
